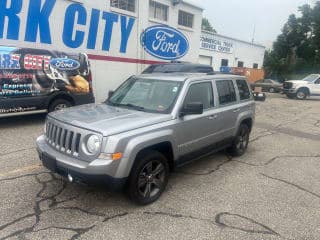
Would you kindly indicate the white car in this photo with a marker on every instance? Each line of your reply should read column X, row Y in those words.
column 301, row 89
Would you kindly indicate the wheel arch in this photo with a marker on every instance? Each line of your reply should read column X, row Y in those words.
column 304, row 88
column 159, row 141
column 64, row 96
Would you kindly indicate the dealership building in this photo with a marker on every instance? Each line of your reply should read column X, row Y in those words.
column 121, row 37
column 222, row 52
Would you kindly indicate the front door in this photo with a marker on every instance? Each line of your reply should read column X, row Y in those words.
column 315, row 90
column 195, row 132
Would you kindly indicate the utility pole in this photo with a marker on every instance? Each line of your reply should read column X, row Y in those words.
column 254, row 32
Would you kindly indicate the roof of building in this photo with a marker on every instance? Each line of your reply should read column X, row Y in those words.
column 234, row 39
column 193, row 3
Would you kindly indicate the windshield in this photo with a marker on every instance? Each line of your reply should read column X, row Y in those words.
column 147, row 95
column 311, row 78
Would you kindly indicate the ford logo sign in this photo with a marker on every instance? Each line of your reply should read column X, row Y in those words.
column 64, row 64
column 164, row 42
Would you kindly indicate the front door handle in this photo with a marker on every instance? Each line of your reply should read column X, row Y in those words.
column 213, row 117
column 236, row 110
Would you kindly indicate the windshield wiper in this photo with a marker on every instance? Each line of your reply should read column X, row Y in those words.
column 129, row 105
column 139, row 108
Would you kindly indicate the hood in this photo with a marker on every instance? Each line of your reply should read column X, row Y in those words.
column 296, row 81
column 106, row 119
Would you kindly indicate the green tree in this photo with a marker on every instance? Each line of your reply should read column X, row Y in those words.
column 297, row 48
column 206, row 25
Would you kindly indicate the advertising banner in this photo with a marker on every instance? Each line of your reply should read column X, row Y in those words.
column 31, row 73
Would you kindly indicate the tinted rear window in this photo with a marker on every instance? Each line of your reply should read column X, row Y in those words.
column 244, row 91
column 226, row 90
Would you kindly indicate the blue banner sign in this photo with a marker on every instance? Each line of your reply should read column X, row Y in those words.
column 37, row 16
column 164, row 42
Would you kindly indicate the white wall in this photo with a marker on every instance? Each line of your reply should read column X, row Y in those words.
column 107, row 75
column 241, row 51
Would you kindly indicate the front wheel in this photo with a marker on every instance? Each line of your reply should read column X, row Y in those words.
column 301, row 95
column 240, row 144
column 148, row 178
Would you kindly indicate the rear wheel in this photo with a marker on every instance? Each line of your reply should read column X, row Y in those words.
column 240, row 144
column 148, row 178
column 59, row 104
column 272, row 90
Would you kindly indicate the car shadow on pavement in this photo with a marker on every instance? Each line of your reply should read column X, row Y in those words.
column 25, row 120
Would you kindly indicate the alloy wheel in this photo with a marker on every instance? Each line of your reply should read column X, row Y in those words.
column 243, row 140
column 151, row 179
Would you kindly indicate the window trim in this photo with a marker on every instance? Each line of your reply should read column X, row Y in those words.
column 184, row 26
column 235, row 89
column 123, row 11
column 212, row 91
column 152, row 18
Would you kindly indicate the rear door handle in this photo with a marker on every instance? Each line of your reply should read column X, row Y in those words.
column 236, row 110
column 213, row 117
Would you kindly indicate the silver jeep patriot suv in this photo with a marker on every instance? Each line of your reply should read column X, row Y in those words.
column 148, row 126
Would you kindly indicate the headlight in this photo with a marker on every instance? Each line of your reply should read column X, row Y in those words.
column 93, row 144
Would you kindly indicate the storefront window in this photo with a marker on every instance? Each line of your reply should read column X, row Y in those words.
column 240, row 64
column 158, row 11
column 185, row 19
column 224, row 62
column 128, row 5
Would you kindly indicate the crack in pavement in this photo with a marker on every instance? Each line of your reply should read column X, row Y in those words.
column 266, row 133
column 20, row 150
column 221, row 217
column 79, row 231
column 53, row 202
column 276, row 158
column 217, row 168
column 292, row 184
column 222, row 220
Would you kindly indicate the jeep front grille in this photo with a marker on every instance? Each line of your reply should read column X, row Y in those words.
column 63, row 139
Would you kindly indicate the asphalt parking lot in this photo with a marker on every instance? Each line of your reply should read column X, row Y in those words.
column 272, row 192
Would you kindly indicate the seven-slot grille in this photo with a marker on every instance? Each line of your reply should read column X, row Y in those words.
column 287, row 85
column 63, row 139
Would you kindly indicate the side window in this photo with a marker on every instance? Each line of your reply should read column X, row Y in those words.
column 318, row 81
column 226, row 91
column 244, row 91
column 200, row 92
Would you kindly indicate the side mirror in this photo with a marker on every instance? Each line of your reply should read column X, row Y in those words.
column 110, row 93
column 194, row 108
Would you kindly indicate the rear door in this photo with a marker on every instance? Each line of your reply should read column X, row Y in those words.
column 228, row 108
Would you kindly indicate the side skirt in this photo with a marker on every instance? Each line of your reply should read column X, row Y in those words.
column 203, row 152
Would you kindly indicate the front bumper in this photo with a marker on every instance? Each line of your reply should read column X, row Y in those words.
column 289, row 91
column 97, row 171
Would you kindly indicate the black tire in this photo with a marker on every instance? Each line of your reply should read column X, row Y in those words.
column 240, row 143
column 59, row 104
column 301, row 94
column 272, row 90
column 148, row 178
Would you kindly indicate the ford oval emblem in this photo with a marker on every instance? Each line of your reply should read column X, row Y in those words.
column 64, row 64
column 164, row 42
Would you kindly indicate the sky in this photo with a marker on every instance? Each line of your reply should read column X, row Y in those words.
column 236, row 18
